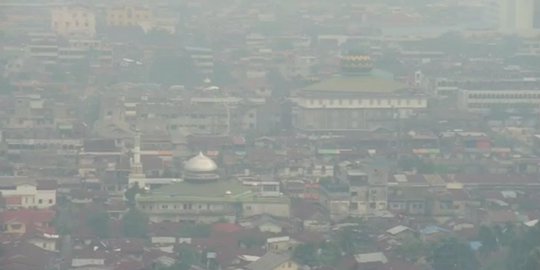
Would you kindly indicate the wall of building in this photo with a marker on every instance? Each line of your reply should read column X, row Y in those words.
column 290, row 265
column 278, row 209
column 484, row 100
column 31, row 197
column 127, row 16
column 73, row 21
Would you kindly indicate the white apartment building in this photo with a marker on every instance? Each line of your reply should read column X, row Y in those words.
column 510, row 95
column 28, row 196
column 518, row 16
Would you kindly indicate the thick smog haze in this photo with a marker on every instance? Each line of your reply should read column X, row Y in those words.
column 269, row 135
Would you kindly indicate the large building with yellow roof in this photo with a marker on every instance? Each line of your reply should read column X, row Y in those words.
column 359, row 99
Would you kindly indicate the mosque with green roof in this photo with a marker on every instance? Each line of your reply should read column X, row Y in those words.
column 359, row 98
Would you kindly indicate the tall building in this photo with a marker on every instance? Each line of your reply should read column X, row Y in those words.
column 519, row 16
column 73, row 21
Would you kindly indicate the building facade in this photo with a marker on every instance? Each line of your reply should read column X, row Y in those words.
column 28, row 196
column 73, row 21
column 125, row 16
column 519, row 16
column 511, row 95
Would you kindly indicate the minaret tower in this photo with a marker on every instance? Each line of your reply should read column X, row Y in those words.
column 136, row 174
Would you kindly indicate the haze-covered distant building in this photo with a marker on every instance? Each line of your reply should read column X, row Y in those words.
column 206, row 196
column 521, row 94
column 73, row 21
column 361, row 98
column 519, row 16
column 127, row 16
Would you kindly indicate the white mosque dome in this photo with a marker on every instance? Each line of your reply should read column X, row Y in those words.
column 200, row 163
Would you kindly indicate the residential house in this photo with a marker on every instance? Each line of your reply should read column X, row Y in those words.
column 20, row 222
column 273, row 261
column 279, row 244
column 41, row 194
column 370, row 261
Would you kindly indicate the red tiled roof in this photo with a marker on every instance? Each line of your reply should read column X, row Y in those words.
column 13, row 200
column 28, row 216
column 226, row 228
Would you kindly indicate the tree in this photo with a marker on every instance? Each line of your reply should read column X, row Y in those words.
column 329, row 254
column 98, row 222
column 131, row 193
column 188, row 257
column 135, row 224
column 488, row 238
column 412, row 248
column 451, row 254
column 306, row 254
column 533, row 260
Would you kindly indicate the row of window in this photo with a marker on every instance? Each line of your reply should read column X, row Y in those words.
column 494, row 106
column 68, row 24
column 396, row 206
column 506, row 96
column 397, row 102
column 121, row 17
column 39, row 201
column 184, row 206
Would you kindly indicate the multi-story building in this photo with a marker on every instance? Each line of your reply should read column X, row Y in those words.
column 360, row 99
column 203, row 58
column 507, row 94
column 124, row 16
column 31, row 195
column 203, row 196
column 73, row 21
column 519, row 16
column 357, row 193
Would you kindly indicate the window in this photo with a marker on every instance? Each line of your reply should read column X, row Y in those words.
column 372, row 205
column 50, row 201
column 353, row 206
column 40, row 201
column 164, row 206
column 354, row 193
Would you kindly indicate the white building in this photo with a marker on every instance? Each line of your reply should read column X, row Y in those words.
column 354, row 103
column 29, row 196
column 510, row 95
column 518, row 16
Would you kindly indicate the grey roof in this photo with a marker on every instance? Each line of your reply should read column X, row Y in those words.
column 269, row 261
column 371, row 257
